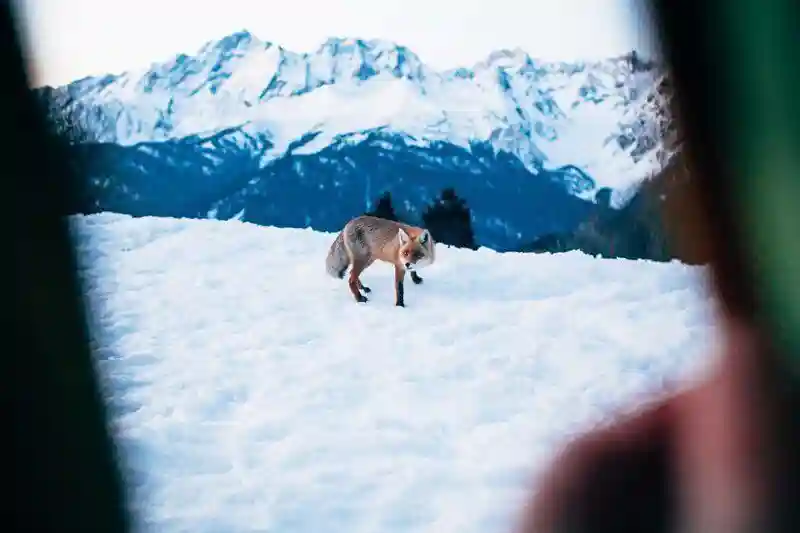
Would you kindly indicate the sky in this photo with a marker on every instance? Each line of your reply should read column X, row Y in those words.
column 70, row 39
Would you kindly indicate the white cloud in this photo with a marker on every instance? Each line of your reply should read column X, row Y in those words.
column 74, row 38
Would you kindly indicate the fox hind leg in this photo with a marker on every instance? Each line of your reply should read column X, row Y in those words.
column 355, row 283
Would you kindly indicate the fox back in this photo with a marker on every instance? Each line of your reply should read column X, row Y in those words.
column 372, row 238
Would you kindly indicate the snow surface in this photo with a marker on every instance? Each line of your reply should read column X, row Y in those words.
column 250, row 393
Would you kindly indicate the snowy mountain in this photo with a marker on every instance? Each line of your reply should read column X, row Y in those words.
column 249, row 393
column 284, row 138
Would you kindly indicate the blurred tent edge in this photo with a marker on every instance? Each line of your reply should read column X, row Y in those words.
column 729, row 216
column 702, row 218
column 735, row 77
column 66, row 468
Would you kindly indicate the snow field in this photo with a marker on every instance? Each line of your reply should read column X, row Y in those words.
column 251, row 394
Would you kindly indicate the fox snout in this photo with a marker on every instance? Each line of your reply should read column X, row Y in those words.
column 410, row 258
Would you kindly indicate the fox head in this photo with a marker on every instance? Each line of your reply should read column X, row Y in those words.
column 417, row 252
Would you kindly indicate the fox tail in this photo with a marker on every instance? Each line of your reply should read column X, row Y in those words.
column 337, row 261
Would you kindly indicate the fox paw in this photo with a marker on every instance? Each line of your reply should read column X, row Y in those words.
column 400, row 304
column 361, row 299
column 366, row 289
column 416, row 278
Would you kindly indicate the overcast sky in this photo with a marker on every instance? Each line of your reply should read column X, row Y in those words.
column 75, row 38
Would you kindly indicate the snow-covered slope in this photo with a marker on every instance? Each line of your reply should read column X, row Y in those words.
column 351, row 85
column 247, row 129
column 545, row 113
column 250, row 393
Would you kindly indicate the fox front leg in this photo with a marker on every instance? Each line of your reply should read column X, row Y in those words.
column 416, row 278
column 399, row 275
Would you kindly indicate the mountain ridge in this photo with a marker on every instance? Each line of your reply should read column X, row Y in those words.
column 244, row 34
column 520, row 104
column 241, row 108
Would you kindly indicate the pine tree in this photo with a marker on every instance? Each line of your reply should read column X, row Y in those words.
column 449, row 220
column 383, row 208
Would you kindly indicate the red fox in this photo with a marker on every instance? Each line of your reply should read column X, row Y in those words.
column 366, row 238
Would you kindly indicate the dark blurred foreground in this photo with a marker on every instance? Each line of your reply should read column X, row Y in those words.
column 721, row 457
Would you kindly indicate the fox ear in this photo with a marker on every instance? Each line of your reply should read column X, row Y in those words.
column 402, row 236
column 423, row 237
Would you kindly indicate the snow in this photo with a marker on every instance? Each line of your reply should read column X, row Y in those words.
column 249, row 393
